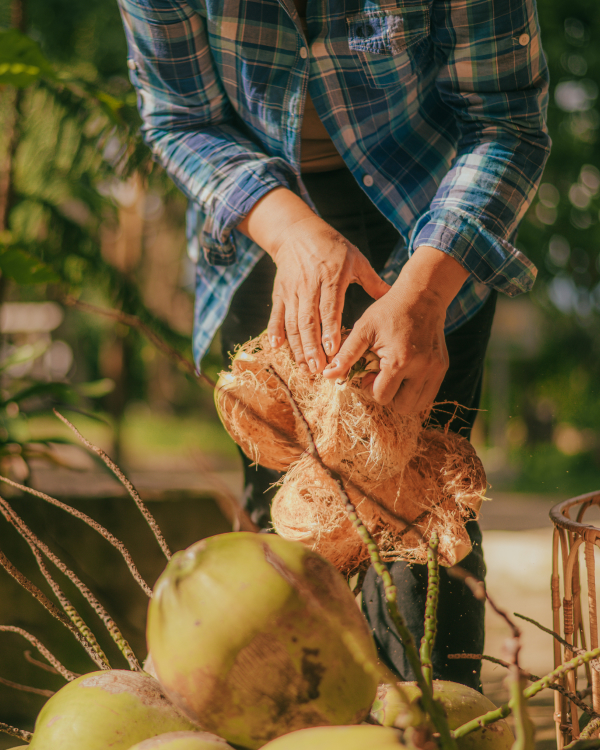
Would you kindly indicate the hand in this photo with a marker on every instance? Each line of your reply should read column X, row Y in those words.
column 315, row 265
column 405, row 328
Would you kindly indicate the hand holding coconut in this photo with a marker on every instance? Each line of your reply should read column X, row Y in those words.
column 315, row 266
column 405, row 329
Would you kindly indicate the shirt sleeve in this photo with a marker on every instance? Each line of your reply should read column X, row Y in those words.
column 190, row 124
column 494, row 78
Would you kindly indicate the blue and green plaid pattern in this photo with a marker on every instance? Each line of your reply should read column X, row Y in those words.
column 437, row 107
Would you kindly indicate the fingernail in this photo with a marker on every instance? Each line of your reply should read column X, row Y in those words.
column 328, row 346
column 274, row 341
column 312, row 365
column 302, row 367
column 333, row 365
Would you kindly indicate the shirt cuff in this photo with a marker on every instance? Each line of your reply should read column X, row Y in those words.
column 490, row 259
column 234, row 201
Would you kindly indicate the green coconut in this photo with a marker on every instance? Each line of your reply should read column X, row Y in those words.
column 461, row 703
column 112, row 709
column 184, row 741
column 253, row 636
column 339, row 738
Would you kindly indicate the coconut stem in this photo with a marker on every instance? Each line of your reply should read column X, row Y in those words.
column 58, row 667
column 20, row 734
column 504, row 710
column 432, row 706
column 54, row 611
column 524, row 728
column 585, row 738
column 150, row 520
column 69, row 609
column 431, row 604
column 33, row 542
column 92, row 524
column 533, row 678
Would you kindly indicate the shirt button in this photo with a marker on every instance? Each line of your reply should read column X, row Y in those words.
column 367, row 180
column 131, row 64
column 524, row 40
column 303, row 53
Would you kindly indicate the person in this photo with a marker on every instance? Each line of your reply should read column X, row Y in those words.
column 356, row 162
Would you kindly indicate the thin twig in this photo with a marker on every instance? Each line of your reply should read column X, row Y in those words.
column 26, row 688
column 590, row 729
column 134, row 322
column 20, row 734
column 69, row 609
column 574, row 697
column 150, row 520
column 58, row 667
column 116, row 543
column 32, row 540
column 434, row 709
column 37, row 663
column 54, row 611
column 560, row 639
column 503, row 711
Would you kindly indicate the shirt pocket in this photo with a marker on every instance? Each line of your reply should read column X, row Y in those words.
column 389, row 43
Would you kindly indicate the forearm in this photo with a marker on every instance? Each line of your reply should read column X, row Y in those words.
column 272, row 216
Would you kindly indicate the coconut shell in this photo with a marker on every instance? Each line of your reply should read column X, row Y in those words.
column 256, row 411
column 184, row 741
column 113, row 709
column 250, row 634
column 339, row 738
column 461, row 704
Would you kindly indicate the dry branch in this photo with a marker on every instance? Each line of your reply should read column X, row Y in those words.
column 150, row 520
column 58, row 667
column 116, row 543
column 20, row 734
column 54, row 611
column 26, row 688
column 32, row 540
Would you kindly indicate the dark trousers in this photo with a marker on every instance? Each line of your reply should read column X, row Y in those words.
column 343, row 204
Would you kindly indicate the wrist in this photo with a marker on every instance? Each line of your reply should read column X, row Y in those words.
column 432, row 275
column 272, row 215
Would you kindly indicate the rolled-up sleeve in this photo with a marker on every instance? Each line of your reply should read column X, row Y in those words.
column 494, row 78
column 190, row 124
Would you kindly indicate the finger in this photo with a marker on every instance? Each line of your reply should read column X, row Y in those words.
column 431, row 390
column 276, row 327
column 309, row 325
column 331, row 306
column 387, row 382
column 292, row 333
column 408, row 395
column 352, row 350
column 368, row 278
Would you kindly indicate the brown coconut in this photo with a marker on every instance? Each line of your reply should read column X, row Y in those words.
column 255, row 409
column 438, row 490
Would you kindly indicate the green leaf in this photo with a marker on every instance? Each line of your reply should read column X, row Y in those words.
column 24, row 268
column 21, row 60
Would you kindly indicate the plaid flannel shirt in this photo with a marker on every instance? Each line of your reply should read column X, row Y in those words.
column 436, row 106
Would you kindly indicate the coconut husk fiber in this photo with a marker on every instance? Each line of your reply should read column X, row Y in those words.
column 354, row 435
column 255, row 409
column 439, row 489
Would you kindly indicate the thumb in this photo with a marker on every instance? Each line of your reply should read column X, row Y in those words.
column 369, row 279
column 352, row 350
